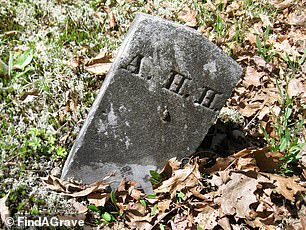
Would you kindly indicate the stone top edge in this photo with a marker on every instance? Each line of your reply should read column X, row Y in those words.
column 139, row 17
column 143, row 16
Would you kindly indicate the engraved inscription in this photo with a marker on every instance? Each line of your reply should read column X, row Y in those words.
column 126, row 170
column 134, row 65
column 208, row 98
column 176, row 82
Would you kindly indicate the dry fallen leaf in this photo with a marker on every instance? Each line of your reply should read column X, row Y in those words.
column 182, row 179
column 137, row 217
column 60, row 185
column 98, row 69
column 237, row 195
column 100, row 64
column 302, row 155
column 279, row 4
column 252, row 38
column 251, row 109
column 112, row 20
column 181, row 222
column 72, row 98
column 74, row 63
column 247, row 164
column 224, row 223
column 95, row 187
column 285, row 186
column 243, row 153
column 252, row 77
column 296, row 87
column 262, row 63
column 164, row 205
column 297, row 18
column 211, row 5
column 135, row 193
column 286, row 50
column 263, row 112
column 80, row 208
column 221, row 164
column 188, row 16
column 74, row 189
column 207, row 219
column 171, row 165
column 265, row 20
column 265, row 160
column 98, row 199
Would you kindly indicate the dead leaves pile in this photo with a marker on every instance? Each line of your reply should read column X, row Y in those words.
column 237, row 192
column 257, row 95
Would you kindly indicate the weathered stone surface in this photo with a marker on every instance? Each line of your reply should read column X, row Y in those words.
column 162, row 94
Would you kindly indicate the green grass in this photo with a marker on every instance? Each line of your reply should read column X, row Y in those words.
column 287, row 129
column 256, row 8
column 31, row 99
column 295, row 63
column 263, row 48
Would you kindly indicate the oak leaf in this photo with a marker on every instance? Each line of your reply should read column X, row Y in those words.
column 237, row 195
column 286, row 186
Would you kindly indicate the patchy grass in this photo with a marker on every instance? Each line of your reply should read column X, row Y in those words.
column 45, row 96
column 37, row 127
column 287, row 128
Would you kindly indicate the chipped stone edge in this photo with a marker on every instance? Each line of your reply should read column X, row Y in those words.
column 98, row 99
column 129, row 36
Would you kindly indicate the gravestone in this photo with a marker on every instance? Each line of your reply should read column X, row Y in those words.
column 160, row 97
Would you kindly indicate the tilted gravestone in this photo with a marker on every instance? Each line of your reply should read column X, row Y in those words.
column 160, row 97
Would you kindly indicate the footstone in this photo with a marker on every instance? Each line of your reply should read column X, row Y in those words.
column 160, row 97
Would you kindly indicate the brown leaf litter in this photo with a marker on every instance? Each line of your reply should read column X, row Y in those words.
column 188, row 16
column 100, row 64
column 239, row 195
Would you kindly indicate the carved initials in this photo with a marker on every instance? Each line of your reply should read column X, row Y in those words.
column 176, row 83
column 134, row 65
column 208, row 98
